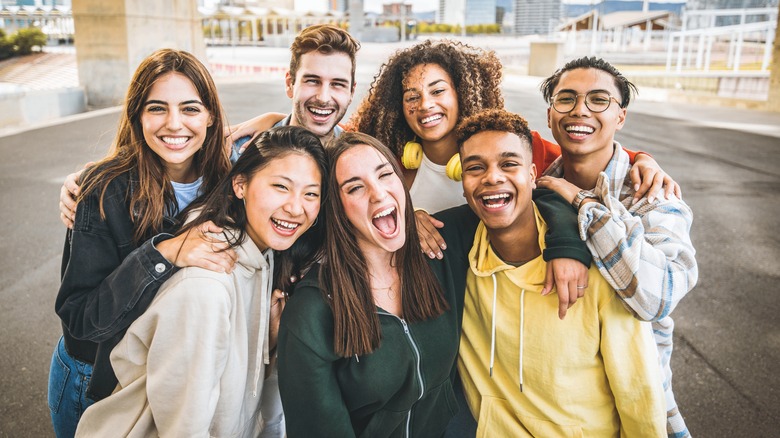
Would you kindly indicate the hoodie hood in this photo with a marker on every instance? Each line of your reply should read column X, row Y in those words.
column 484, row 262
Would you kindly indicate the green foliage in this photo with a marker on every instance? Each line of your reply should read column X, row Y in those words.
column 6, row 47
column 25, row 39
column 474, row 29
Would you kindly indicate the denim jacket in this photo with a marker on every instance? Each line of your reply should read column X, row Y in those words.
column 107, row 280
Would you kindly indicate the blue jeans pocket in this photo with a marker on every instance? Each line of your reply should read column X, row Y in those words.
column 58, row 379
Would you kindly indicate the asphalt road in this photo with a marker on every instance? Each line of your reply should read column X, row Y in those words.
column 727, row 340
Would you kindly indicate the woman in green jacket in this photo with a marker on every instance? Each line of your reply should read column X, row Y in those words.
column 368, row 340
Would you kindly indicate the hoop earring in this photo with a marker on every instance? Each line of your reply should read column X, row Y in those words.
column 412, row 155
column 454, row 168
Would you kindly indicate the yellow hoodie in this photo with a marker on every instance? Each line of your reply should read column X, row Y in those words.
column 594, row 374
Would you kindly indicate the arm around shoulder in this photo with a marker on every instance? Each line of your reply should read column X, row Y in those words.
column 106, row 283
column 562, row 238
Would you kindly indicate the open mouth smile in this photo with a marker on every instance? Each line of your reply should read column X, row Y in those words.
column 174, row 142
column 496, row 201
column 430, row 119
column 284, row 227
column 579, row 130
column 386, row 221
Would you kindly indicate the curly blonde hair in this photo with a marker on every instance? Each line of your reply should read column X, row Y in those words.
column 476, row 76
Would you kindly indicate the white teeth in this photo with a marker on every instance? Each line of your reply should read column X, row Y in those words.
column 431, row 118
column 579, row 128
column 175, row 140
column 322, row 112
column 498, row 196
column 285, row 224
column 384, row 213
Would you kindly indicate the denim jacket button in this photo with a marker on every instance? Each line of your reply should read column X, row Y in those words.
column 160, row 267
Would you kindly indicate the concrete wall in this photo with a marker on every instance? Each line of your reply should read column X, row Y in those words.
column 114, row 36
column 19, row 107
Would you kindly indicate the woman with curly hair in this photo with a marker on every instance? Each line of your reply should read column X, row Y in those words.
column 414, row 103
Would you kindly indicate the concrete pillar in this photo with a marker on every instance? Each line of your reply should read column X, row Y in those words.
column 114, row 36
column 356, row 18
column 545, row 58
column 773, row 101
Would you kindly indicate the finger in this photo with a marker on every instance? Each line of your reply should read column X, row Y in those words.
column 635, row 176
column 71, row 185
column 658, row 184
column 647, row 182
column 582, row 280
column 563, row 299
column 428, row 247
column 207, row 264
column 548, row 280
column 66, row 220
column 435, row 222
column 671, row 188
column 574, row 293
column 209, row 227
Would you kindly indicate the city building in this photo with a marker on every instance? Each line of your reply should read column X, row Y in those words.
column 468, row 12
column 534, row 17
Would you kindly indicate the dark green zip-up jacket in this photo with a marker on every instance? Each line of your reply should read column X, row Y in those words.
column 403, row 388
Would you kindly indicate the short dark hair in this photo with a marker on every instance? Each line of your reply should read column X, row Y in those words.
column 325, row 39
column 493, row 120
column 625, row 86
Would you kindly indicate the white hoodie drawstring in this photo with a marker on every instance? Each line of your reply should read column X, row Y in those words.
column 266, row 292
column 493, row 328
column 522, row 323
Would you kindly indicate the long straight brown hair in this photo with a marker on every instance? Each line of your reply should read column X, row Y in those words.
column 344, row 274
column 151, row 193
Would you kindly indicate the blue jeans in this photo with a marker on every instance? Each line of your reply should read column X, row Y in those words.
column 68, row 380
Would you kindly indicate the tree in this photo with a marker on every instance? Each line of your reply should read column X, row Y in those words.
column 25, row 39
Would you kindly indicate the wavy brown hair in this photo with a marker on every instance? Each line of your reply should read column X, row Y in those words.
column 476, row 77
column 345, row 277
column 325, row 39
column 151, row 194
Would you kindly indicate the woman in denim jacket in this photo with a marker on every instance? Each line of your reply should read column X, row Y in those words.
column 168, row 150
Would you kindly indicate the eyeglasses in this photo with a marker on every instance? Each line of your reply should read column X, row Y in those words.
column 596, row 101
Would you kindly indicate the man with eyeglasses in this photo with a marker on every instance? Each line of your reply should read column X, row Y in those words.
column 643, row 248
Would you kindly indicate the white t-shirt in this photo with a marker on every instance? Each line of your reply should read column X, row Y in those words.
column 432, row 190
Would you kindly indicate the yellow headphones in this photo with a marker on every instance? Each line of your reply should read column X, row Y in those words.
column 412, row 157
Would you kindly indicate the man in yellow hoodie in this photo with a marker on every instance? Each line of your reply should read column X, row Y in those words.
column 525, row 372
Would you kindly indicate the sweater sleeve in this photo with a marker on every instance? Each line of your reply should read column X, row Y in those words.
column 188, row 350
column 106, row 284
column 311, row 395
column 631, row 364
column 645, row 252
column 562, row 238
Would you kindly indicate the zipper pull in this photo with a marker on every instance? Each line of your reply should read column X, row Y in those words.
column 406, row 327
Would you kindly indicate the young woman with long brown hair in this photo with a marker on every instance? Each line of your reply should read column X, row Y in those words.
column 168, row 150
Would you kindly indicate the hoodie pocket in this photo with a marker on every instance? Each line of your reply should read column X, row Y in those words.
column 497, row 418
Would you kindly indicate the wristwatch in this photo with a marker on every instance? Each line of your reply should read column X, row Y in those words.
column 581, row 196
